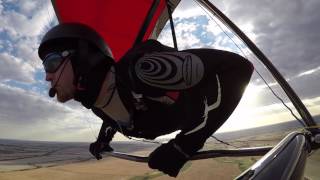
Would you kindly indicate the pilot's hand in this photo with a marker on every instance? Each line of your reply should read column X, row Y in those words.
column 168, row 158
column 97, row 147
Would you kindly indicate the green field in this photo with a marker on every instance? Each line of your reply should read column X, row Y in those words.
column 312, row 168
column 243, row 163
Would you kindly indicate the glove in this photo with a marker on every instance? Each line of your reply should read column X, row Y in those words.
column 97, row 147
column 168, row 158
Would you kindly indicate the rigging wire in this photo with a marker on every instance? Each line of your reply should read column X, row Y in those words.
column 136, row 139
column 280, row 99
column 144, row 140
column 173, row 32
column 242, row 52
column 223, row 142
column 91, row 130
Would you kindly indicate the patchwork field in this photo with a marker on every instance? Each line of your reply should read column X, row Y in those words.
column 38, row 161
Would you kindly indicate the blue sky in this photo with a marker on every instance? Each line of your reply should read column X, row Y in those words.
column 287, row 31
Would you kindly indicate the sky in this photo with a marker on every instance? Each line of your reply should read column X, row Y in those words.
column 287, row 31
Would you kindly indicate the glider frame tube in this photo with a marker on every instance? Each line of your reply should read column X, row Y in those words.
column 256, row 151
column 147, row 21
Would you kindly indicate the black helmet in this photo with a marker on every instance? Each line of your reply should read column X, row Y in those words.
column 68, row 35
column 91, row 61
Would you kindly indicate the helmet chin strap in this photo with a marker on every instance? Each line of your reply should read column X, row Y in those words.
column 90, row 84
column 90, row 70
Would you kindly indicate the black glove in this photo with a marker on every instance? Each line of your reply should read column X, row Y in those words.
column 97, row 147
column 168, row 158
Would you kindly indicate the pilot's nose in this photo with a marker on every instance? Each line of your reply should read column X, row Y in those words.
column 49, row 76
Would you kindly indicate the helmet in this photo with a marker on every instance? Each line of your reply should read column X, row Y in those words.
column 91, row 61
column 68, row 35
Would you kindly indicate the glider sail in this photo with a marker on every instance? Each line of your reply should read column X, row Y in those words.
column 120, row 23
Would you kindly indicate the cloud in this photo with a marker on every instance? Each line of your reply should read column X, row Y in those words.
column 307, row 86
column 13, row 68
column 26, row 7
column 193, row 32
column 21, row 25
column 25, row 110
column 26, row 49
column 288, row 36
column 304, row 84
column 27, row 114
column 188, row 9
column 309, row 72
column 1, row 6
column 28, row 20
column 18, row 105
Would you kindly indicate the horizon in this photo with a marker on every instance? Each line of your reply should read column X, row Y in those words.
column 166, row 137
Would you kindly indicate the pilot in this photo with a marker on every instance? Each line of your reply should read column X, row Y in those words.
column 151, row 91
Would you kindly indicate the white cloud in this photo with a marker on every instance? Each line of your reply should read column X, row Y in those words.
column 18, row 105
column 309, row 72
column 184, row 32
column 189, row 33
column 22, row 24
column 288, row 36
column 27, row 23
column 187, row 9
column 213, row 27
column 26, row 115
column 250, row 117
column 26, row 7
column 13, row 68
column 1, row 6
column 165, row 37
column 27, row 49
column 222, row 42
column 1, row 45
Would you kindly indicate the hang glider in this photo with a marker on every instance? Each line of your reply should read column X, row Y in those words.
column 122, row 24
column 125, row 23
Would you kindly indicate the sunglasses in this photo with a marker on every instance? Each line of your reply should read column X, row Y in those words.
column 53, row 61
